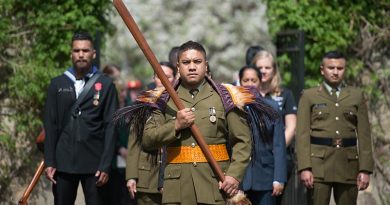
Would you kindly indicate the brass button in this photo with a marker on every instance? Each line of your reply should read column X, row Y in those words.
column 193, row 109
column 319, row 112
column 192, row 145
column 337, row 104
column 337, row 118
column 351, row 113
column 194, row 164
column 337, row 132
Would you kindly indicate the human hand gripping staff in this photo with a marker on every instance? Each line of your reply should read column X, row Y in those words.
column 132, row 26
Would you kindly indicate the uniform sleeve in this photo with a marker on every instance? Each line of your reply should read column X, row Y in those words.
column 162, row 169
column 279, row 151
column 303, row 133
column 240, row 140
column 110, row 106
column 158, row 131
column 290, row 107
column 364, row 137
column 133, row 152
column 51, row 126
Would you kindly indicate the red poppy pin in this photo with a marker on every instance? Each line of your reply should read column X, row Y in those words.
column 98, row 87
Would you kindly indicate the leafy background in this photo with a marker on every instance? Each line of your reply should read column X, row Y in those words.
column 34, row 47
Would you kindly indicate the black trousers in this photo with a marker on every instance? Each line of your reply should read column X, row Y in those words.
column 65, row 190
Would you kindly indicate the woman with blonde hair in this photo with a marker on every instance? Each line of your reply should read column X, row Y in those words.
column 270, row 87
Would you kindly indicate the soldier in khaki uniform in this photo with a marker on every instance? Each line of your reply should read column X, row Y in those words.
column 142, row 174
column 188, row 178
column 333, row 137
column 142, row 170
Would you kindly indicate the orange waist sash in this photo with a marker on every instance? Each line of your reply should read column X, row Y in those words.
column 189, row 154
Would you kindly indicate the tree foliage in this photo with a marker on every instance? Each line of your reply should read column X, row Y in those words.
column 361, row 29
column 35, row 46
column 330, row 25
column 225, row 28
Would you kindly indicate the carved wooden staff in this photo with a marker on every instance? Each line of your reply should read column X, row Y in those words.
column 26, row 194
column 132, row 26
column 34, row 181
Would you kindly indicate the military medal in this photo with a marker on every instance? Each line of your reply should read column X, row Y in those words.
column 98, row 87
column 212, row 113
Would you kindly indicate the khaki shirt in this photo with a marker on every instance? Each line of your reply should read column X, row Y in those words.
column 141, row 166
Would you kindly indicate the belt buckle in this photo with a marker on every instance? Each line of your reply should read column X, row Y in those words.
column 337, row 142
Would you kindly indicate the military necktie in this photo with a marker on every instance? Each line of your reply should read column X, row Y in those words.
column 334, row 94
column 193, row 93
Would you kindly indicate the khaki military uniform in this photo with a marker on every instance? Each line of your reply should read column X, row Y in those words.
column 194, row 183
column 344, row 123
column 144, row 168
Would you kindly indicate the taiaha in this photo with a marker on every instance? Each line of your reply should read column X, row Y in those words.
column 142, row 43
column 26, row 194
column 34, row 181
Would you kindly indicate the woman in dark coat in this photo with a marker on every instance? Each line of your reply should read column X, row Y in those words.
column 266, row 173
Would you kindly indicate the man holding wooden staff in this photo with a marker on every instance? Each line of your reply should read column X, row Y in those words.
column 188, row 178
column 215, row 109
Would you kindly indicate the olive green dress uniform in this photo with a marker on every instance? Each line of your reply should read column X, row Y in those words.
column 322, row 116
column 195, row 183
column 142, row 167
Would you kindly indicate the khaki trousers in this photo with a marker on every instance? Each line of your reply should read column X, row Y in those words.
column 149, row 198
column 344, row 194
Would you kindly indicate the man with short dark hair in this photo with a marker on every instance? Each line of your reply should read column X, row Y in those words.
column 188, row 178
column 79, row 143
column 333, row 137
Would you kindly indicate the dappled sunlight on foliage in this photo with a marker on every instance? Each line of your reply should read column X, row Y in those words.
column 35, row 46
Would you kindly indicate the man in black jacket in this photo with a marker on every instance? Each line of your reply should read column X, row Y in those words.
column 79, row 143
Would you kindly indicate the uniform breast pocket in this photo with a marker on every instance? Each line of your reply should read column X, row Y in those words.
column 209, row 124
column 350, row 116
column 319, row 114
